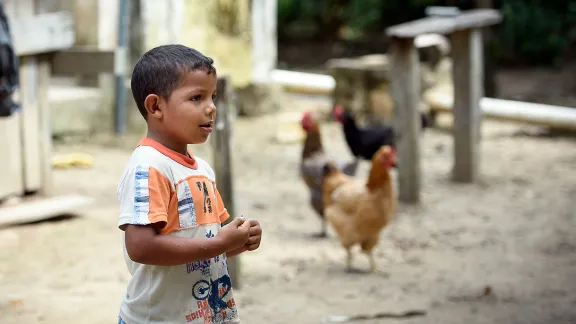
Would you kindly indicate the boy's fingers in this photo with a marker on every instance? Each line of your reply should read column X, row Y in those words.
column 254, row 222
column 255, row 230
column 245, row 225
column 253, row 239
column 252, row 247
column 238, row 221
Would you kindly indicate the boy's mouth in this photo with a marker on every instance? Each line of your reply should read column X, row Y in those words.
column 207, row 127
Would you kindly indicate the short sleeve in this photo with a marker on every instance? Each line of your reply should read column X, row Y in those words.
column 220, row 208
column 144, row 195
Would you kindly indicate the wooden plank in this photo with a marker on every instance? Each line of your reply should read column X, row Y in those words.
column 406, row 95
column 223, row 164
column 467, row 55
column 12, row 182
column 35, row 121
column 42, row 33
column 476, row 18
column 30, row 123
column 30, row 118
column 83, row 60
column 45, row 129
column 42, row 209
column 11, row 136
column 510, row 110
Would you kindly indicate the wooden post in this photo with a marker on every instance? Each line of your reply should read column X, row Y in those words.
column 45, row 133
column 468, row 90
column 35, row 117
column 223, row 164
column 466, row 37
column 406, row 95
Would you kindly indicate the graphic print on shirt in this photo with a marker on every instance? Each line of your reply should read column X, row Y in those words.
column 195, row 202
column 204, row 265
column 186, row 209
column 211, row 298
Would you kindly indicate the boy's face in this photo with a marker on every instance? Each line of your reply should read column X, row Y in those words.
column 189, row 113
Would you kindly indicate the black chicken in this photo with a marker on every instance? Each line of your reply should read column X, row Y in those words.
column 364, row 142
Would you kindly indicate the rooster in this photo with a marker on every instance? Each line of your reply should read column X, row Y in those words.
column 313, row 161
column 357, row 209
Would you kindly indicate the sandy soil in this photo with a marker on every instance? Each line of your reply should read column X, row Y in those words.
column 514, row 232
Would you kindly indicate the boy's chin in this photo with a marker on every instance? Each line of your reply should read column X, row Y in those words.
column 201, row 139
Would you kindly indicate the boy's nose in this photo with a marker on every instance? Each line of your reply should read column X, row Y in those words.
column 211, row 110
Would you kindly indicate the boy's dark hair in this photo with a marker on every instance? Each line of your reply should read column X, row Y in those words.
column 158, row 71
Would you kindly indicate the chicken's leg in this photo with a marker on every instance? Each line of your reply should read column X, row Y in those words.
column 323, row 231
column 373, row 267
column 349, row 260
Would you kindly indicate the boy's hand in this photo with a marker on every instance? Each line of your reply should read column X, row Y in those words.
column 255, row 235
column 235, row 234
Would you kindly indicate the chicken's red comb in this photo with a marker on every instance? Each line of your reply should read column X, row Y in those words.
column 307, row 114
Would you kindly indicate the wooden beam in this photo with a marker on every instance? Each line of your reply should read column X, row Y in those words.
column 467, row 55
column 406, row 94
column 223, row 164
column 83, row 60
column 446, row 25
column 42, row 33
column 38, row 210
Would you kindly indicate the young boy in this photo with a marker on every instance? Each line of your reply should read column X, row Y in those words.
column 171, row 212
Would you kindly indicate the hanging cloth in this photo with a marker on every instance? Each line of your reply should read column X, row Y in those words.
column 8, row 68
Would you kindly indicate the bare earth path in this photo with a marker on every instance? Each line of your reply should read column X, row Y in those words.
column 514, row 232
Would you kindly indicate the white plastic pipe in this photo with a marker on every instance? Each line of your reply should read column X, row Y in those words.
column 540, row 114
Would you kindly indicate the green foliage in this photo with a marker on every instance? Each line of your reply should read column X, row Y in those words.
column 533, row 31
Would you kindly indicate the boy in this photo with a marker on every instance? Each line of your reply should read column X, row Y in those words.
column 171, row 211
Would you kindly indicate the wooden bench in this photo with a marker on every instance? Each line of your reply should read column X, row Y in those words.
column 464, row 30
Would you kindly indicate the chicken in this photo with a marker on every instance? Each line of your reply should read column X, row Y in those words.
column 365, row 142
column 313, row 161
column 359, row 210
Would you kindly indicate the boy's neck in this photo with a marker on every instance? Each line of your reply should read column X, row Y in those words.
column 176, row 147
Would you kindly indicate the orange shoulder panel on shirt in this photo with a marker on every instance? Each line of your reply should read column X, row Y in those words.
column 162, row 207
column 221, row 209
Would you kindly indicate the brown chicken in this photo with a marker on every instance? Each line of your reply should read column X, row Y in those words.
column 314, row 158
column 358, row 210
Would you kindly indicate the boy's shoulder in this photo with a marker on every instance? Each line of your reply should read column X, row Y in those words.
column 148, row 157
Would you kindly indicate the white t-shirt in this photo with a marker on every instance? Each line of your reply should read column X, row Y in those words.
column 160, row 185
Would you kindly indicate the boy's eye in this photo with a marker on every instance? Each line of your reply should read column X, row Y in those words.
column 214, row 98
column 196, row 98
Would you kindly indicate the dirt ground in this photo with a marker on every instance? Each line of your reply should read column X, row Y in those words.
column 512, row 233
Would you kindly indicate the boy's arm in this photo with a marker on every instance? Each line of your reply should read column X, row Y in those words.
column 237, row 251
column 145, row 246
column 145, row 196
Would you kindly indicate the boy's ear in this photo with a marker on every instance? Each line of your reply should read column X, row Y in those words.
column 153, row 106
